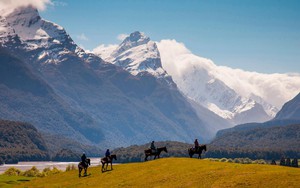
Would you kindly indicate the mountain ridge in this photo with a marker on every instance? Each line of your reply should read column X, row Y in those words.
column 121, row 108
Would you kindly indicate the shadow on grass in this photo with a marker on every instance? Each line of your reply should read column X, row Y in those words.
column 85, row 175
column 23, row 180
column 107, row 171
column 10, row 182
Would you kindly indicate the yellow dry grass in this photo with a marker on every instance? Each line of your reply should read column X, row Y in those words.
column 177, row 172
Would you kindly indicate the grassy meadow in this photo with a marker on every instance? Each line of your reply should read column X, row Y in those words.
column 174, row 172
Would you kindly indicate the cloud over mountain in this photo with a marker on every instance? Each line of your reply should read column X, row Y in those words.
column 275, row 88
column 7, row 6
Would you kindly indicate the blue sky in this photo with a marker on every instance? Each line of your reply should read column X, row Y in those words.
column 254, row 35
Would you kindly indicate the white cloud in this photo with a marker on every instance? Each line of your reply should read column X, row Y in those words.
column 275, row 89
column 82, row 37
column 122, row 36
column 104, row 51
column 9, row 5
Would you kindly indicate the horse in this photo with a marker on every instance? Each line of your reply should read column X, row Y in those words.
column 199, row 150
column 82, row 166
column 148, row 152
column 107, row 160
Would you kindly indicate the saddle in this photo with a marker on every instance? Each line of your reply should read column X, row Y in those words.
column 84, row 163
column 106, row 159
column 196, row 149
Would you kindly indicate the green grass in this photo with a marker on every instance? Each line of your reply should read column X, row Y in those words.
column 10, row 181
column 176, row 172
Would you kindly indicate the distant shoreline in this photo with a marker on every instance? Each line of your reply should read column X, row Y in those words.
column 40, row 165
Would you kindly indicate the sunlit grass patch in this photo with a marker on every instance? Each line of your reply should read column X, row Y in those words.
column 176, row 172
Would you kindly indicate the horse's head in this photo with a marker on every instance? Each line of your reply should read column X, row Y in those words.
column 204, row 147
column 114, row 157
column 165, row 149
column 88, row 161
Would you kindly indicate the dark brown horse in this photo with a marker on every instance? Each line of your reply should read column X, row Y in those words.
column 199, row 150
column 107, row 160
column 149, row 152
column 84, row 166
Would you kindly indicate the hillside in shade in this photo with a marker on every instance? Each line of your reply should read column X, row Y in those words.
column 21, row 141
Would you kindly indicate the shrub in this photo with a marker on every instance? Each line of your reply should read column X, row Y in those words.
column 223, row 160
column 259, row 161
column 12, row 171
column 213, row 159
column 46, row 172
column 55, row 170
column 71, row 167
column 33, row 172
column 246, row 161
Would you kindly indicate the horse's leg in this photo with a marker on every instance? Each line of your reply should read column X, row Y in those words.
column 102, row 166
column 79, row 169
column 146, row 156
column 111, row 166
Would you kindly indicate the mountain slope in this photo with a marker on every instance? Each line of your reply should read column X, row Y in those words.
column 288, row 115
column 26, row 97
column 290, row 110
column 21, row 141
column 279, row 138
column 118, row 108
column 138, row 55
column 196, row 78
column 257, row 143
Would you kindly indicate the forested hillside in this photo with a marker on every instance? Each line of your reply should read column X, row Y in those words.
column 265, row 143
column 21, row 141
column 261, row 143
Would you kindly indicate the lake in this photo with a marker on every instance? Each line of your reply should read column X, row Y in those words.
column 40, row 165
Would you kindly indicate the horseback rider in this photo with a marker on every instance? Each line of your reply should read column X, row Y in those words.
column 83, row 159
column 107, row 154
column 152, row 147
column 196, row 144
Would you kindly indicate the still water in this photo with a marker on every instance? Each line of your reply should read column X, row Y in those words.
column 40, row 165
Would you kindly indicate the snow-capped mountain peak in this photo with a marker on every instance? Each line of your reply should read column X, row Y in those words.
column 51, row 42
column 28, row 24
column 5, row 30
column 37, row 32
column 136, row 54
column 134, row 39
